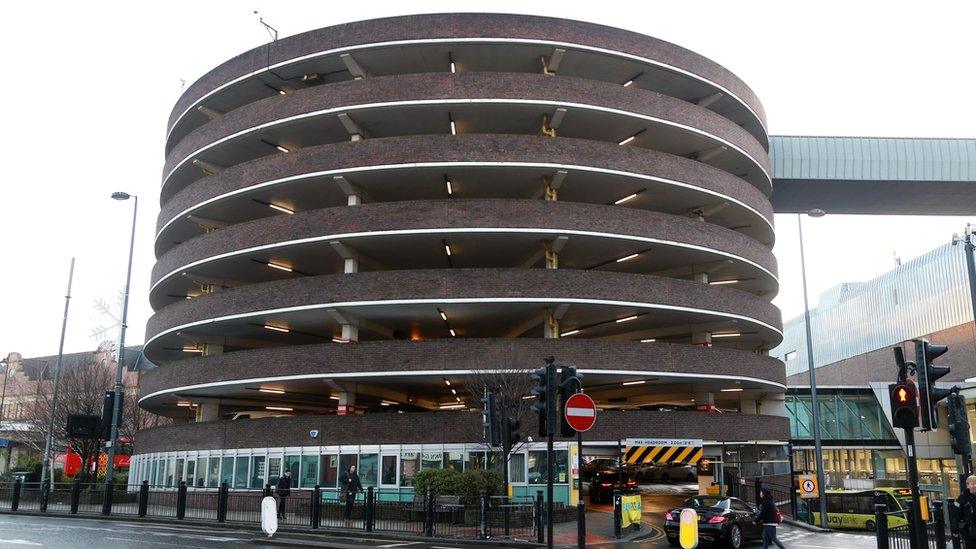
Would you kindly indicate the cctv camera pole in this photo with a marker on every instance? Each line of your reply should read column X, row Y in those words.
column 48, row 442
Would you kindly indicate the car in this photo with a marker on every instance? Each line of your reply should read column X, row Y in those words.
column 598, row 464
column 680, row 472
column 721, row 520
column 606, row 481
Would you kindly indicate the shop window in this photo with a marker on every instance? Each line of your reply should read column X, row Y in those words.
column 328, row 470
column 201, row 478
column 257, row 473
column 367, row 469
column 516, row 468
column 310, row 471
column 389, row 477
column 431, row 460
column 409, row 466
column 454, row 460
column 213, row 473
column 227, row 471
column 291, row 463
column 474, row 460
column 179, row 471
column 240, row 473
column 537, row 466
column 170, row 472
column 274, row 470
column 190, row 470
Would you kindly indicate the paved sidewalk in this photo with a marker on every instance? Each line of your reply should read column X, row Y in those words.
column 599, row 532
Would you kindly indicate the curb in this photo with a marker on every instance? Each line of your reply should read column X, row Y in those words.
column 805, row 526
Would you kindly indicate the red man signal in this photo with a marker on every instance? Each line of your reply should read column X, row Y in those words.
column 904, row 405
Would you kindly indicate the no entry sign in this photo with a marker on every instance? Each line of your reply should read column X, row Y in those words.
column 580, row 412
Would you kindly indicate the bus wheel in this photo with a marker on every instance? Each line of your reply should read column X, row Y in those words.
column 870, row 526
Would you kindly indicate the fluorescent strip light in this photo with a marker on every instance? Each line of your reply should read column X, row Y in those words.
column 184, row 404
column 733, row 334
column 447, row 381
column 627, row 258
column 453, row 68
column 282, row 149
column 451, row 406
column 333, row 397
column 444, row 316
column 281, row 208
column 453, row 334
column 626, row 318
column 528, row 397
column 569, row 333
column 453, row 128
column 458, row 399
column 384, row 403
column 447, row 249
column 272, row 391
column 628, row 140
column 732, row 390
column 648, row 340
column 626, row 198
column 282, row 92
column 450, row 189
column 279, row 267
column 279, row 408
column 641, row 382
column 454, row 392
column 192, row 350
column 628, row 83
column 277, row 328
column 389, row 402
column 717, row 282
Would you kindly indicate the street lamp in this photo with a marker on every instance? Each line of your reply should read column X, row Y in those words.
column 117, row 398
column 817, row 448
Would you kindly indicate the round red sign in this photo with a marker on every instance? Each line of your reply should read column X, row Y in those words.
column 580, row 412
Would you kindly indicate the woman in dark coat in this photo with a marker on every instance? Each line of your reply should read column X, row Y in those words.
column 349, row 485
column 769, row 518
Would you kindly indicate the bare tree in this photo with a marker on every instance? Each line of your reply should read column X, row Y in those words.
column 512, row 385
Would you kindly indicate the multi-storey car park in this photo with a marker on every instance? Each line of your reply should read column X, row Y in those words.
column 357, row 219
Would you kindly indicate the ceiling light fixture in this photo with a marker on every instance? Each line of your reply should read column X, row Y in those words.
column 279, row 408
column 569, row 333
column 192, row 350
column 731, row 334
column 626, row 198
column 627, row 258
column 628, row 83
column 718, row 282
column 453, row 68
column 454, row 392
column 648, row 340
column 272, row 391
column 447, row 381
column 282, row 149
column 450, row 189
column 451, row 406
column 279, row 267
column 333, row 397
column 453, row 334
column 277, row 328
column 641, row 382
column 447, row 249
column 628, row 140
column 281, row 208
column 735, row 390
column 453, row 126
column 626, row 318
column 444, row 316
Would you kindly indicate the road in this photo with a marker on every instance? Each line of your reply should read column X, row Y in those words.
column 32, row 531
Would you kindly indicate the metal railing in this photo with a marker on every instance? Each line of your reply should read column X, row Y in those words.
column 517, row 518
column 931, row 535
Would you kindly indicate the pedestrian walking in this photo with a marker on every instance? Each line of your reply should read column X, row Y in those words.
column 284, row 490
column 966, row 512
column 349, row 485
column 770, row 517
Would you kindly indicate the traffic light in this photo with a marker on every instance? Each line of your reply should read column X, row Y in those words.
column 904, row 405
column 545, row 396
column 489, row 414
column 511, row 431
column 108, row 406
column 959, row 425
column 569, row 385
column 928, row 373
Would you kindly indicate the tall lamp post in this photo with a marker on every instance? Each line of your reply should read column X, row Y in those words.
column 117, row 398
column 817, row 448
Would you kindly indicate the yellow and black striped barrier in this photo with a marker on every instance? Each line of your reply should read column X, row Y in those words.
column 643, row 451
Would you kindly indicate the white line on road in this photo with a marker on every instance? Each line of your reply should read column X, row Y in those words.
column 142, row 541
column 18, row 542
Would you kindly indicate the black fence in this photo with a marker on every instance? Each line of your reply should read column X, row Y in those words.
column 427, row 515
column 928, row 535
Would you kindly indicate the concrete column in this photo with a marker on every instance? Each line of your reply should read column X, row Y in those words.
column 701, row 278
column 350, row 332
column 207, row 411
column 350, row 265
column 347, row 403
column 551, row 325
column 748, row 406
column 704, row 401
column 210, row 349
column 702, row 339
column 353, row 200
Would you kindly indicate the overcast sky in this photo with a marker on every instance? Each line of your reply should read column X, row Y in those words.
column 88, row 88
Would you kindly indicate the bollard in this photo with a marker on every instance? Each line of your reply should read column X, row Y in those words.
column 316, row 506
column 881, row 525
column 181, row 501
column 45, row 493
column 222, row 493
column 616, row 514
column 144, row 498
column 15, row 498
column 483, row 503
column 429, row 512
column 369, row 511
column 75, row 496
column 107, row 498
column 540, row 532
column 939, row 512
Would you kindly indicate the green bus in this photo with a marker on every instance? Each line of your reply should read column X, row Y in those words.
column 854, row 509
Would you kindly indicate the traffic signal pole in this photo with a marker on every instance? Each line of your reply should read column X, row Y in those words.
column 551, row 432
column 916, row 518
